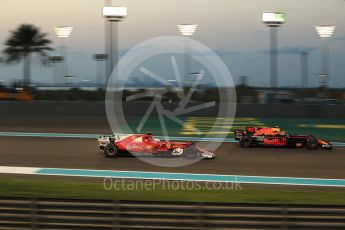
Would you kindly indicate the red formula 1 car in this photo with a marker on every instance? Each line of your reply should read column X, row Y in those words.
column 274, row 137
column 146, row 145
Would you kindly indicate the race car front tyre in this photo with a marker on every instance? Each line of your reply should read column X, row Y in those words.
column 111, row 151
column 312, row 143
column 191, row 152
column 246, row 142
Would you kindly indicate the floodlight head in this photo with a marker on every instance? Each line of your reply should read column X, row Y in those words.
column 187, row 29
column 114, row 12
column 63, row 31
column 325, row 31
column 100, row 57
column 273, row 19
column 56, row 59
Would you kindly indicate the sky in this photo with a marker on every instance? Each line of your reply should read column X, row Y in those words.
column 232, row 28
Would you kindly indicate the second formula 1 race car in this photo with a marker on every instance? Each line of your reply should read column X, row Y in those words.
column 274, row 137
column 147, row 145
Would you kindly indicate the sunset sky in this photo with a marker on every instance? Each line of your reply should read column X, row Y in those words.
column 232, row 28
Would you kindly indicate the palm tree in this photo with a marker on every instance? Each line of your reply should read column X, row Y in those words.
column 24, row 41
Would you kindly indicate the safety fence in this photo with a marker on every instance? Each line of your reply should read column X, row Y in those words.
column 25, row 213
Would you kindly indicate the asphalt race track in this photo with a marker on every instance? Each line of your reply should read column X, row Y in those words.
column 231, row 159
column 83, row 153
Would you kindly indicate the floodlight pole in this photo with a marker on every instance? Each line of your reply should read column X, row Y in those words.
column 188, row 61
column 187, row 30
column 63, row 32
column 325, row 33
column 273, row 57
column 112, row 14
column 273, row 21
column 110, row 51
column 64, row 54
column 108, row 45
column 304, row 69
column 55, row 73
column 325, row 60
column 273, row 54
column 99, row 58
column 113, row 41
column 56, row 60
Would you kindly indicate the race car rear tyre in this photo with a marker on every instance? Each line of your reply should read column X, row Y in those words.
column 246, row 143
column 191, row 152
column 312, row 143
column 111, row 151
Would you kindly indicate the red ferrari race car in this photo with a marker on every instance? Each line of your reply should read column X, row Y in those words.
column 146, row 145
column 274, row 137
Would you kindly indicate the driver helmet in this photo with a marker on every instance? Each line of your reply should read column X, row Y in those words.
column 276, row 130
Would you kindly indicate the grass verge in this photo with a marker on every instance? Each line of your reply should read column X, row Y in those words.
column 70, row 188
